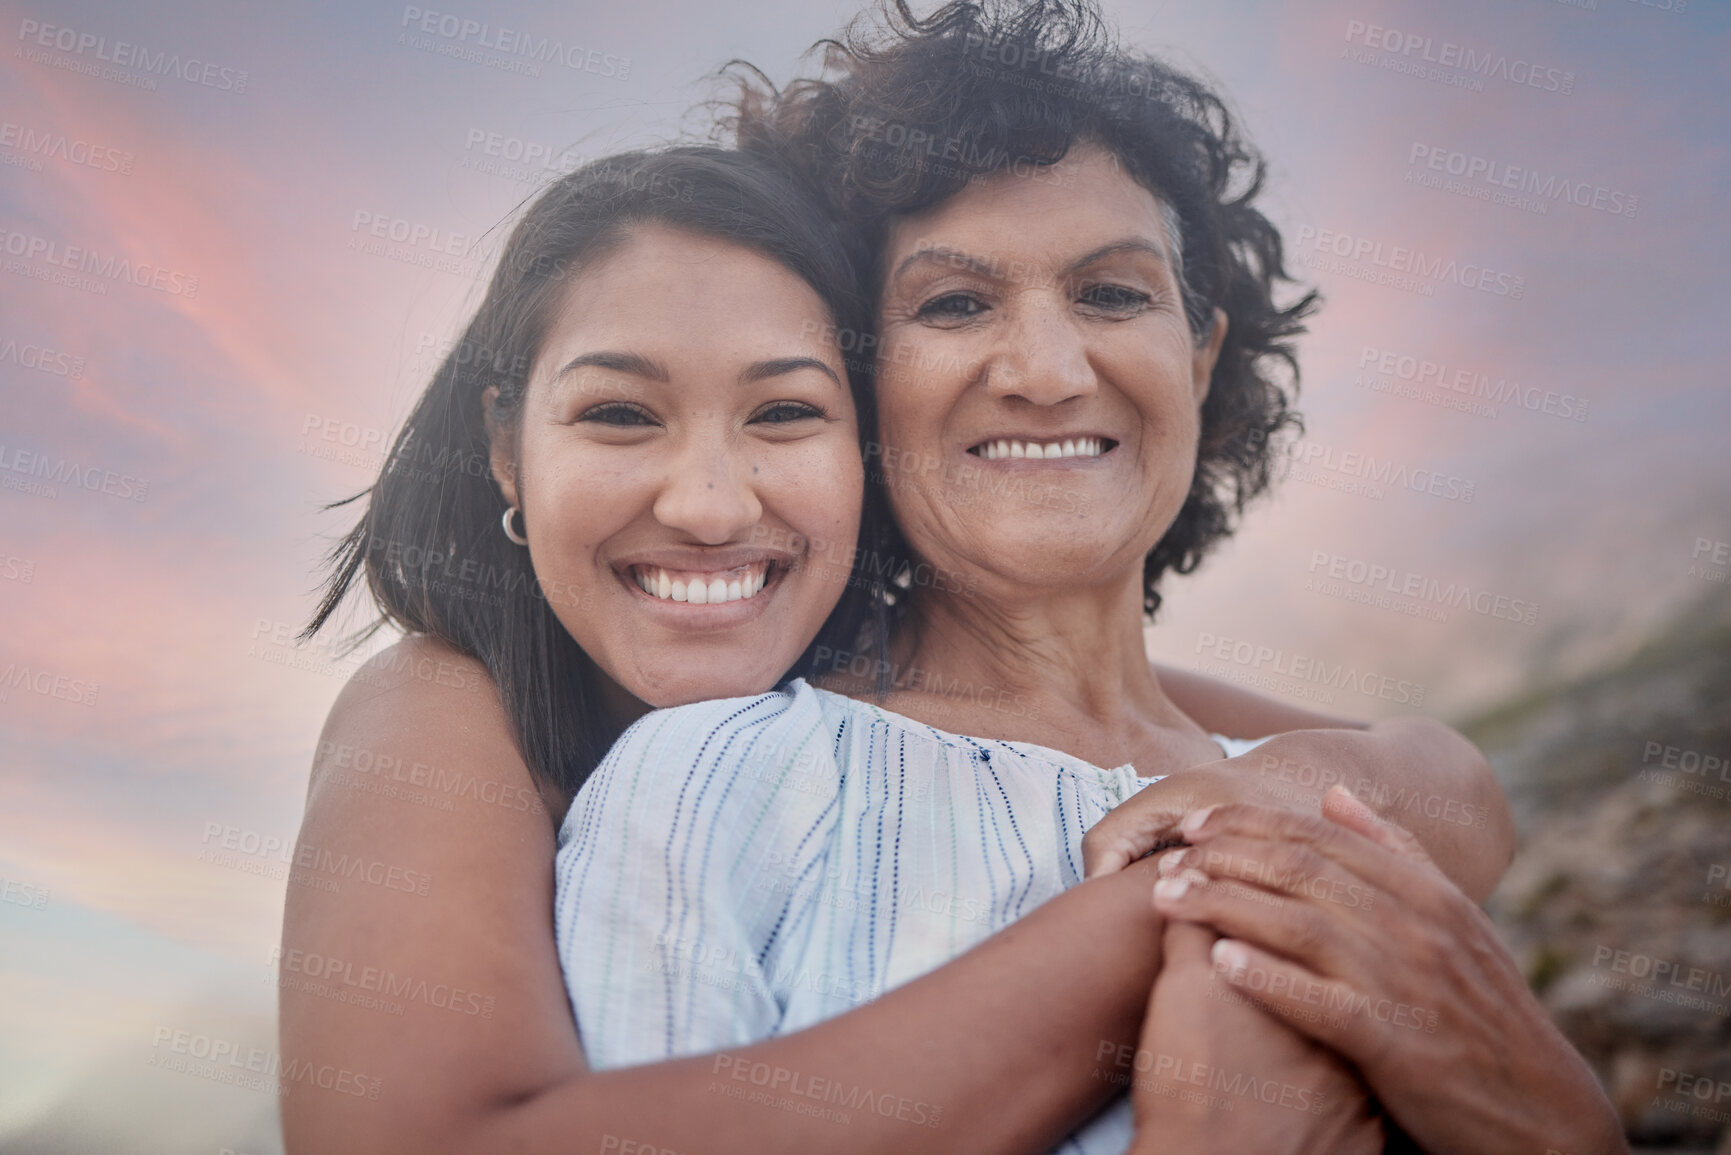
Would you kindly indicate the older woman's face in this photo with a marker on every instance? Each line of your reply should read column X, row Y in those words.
column 1039, row 390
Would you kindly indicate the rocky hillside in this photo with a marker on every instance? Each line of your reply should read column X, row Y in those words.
column 1619, row 903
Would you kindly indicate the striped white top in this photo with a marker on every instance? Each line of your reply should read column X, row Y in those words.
column 747, row 867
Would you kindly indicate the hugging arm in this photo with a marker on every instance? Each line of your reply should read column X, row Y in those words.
column 1417, row 773
column 471, row 1047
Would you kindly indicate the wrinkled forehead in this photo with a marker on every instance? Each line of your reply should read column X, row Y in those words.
column 1041, row 213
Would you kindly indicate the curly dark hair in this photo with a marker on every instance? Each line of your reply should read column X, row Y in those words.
column 907, row 110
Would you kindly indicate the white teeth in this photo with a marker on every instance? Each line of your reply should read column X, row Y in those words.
column 1042, row 450
column 701, row 590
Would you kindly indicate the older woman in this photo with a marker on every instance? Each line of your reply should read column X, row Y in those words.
column 1075, row 324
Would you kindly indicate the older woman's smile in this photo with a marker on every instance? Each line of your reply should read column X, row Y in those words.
column 1085, row 447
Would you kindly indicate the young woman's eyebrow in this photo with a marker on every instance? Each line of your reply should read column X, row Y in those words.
column 779, row 366
column 634, row 364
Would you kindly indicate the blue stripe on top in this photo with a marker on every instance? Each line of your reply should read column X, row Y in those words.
column 747, row 867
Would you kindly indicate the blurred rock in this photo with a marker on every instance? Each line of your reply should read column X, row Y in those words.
column 1618, row 905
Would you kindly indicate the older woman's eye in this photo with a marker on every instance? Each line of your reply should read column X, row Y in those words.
column 1116, row 298
column 785, row 412
column 951, row 307
column 618, row 413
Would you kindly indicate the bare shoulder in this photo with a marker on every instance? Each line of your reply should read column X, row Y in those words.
column 1221, row 707
column 423, row 878
column 409, row 716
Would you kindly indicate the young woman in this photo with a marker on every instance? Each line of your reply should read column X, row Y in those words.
column 651, row 395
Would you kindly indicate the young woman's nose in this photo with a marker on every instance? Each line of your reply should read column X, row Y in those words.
column 1041, row 354
column 709, row 494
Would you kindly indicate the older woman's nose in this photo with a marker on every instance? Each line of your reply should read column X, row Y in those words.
column 709, row 494
column 1043, row 357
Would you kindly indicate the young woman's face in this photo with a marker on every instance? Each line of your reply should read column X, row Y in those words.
column 687, row 463
column 1039, row 391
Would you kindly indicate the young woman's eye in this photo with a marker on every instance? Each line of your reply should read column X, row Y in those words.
column 951, row 307
column 618, row 413
column 784, row 412
column 1116, row 298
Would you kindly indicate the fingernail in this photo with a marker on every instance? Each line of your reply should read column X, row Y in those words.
column 1173, row 860
column 1193, row 821
column 1171, row 889
column 1229, row 955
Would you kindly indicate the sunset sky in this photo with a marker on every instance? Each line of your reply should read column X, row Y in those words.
column 205, row 415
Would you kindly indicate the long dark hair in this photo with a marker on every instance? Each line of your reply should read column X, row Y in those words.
column 435, row 559
column 909, row 109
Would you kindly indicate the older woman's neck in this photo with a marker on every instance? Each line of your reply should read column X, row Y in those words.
column 1064, row 670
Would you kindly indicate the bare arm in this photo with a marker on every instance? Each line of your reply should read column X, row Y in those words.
column 1415, row 772
column 471, row 1046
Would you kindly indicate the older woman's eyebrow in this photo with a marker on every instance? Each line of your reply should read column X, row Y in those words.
column 986, row 266
column 954, row 258
column 635, row 364
column 763, row 370
column 1136, row 245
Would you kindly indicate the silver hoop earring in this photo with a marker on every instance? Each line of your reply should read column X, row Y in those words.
column 509, row 532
